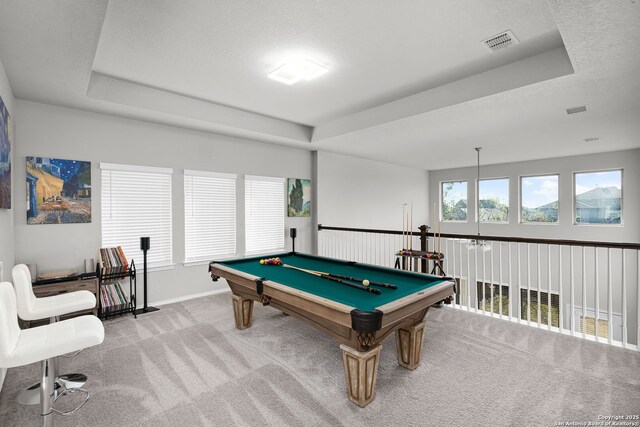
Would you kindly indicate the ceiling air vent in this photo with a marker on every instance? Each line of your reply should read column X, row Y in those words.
column 500, row 41
column 575, row 110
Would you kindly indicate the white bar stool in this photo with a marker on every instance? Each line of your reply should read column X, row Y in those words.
column 44, row 343
column 31, row 308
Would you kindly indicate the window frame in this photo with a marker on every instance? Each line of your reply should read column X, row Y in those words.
column 520, row 198
column 117, row 167
column 574, row 195
column 441, row 213
column 477, row 212
column 210, row 174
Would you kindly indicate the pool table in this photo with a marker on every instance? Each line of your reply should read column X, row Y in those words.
column 356, row 319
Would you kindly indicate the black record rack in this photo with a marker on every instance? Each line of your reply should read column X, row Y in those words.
column 112, row 300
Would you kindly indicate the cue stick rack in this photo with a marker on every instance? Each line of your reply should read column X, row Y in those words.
column 410, row 257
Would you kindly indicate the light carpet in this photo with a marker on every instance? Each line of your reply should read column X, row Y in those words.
column 187, row 365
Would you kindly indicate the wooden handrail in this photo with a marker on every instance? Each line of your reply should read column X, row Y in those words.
column 423, row 231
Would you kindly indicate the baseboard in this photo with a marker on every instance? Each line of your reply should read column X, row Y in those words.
column 3, row 373
column 191, row 296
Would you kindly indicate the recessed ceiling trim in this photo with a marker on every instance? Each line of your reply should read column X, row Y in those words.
column 229, row 120
column 545, row 66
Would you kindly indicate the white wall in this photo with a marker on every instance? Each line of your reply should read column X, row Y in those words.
column 72, row 134
column 360, row 193
column 565, row 166
column 7, row 253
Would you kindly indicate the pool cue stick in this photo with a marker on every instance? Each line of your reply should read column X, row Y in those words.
column 353, row 279
column 405, row 226
column 435, row 229
column 402, row 250
column 335, row 279
column 407, row 258
column 411, row 227
column 439, row 236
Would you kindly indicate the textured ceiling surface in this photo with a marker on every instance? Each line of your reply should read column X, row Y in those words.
column 409, row 82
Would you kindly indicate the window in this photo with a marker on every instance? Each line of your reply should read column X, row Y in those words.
column 539, row 199
column 209, row 215
column 264, row 214
column 598, row 197
column 493, row 200
column 136, row 202
column 493, row 297
column 453, row 202
column 586, row 321
column 537, row 305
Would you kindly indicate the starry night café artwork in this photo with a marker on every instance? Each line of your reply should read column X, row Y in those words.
column 58, row 191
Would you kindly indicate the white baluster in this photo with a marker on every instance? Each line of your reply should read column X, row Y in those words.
column 539, row 311
column 609, row 296
column 561, row 309
column 624, row 300
column 500, row 277
column 584, row 294
column 596, row 285
column 528, row 286
column 572, row 292
column 548, row 286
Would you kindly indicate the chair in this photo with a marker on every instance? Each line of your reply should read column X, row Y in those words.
column 43, row 344
column 31, row 308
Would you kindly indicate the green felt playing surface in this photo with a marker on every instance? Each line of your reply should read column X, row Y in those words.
column 407, row 282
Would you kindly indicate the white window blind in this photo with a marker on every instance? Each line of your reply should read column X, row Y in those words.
column 264, row 214
column 210, row 215
column 136, row 202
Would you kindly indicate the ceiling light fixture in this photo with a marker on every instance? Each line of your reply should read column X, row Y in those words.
column 296, row 69
column 479, row 243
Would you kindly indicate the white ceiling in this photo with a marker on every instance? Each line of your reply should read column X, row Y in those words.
column 409, row 82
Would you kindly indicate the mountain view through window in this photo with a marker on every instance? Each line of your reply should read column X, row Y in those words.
column 598, row 197
column 539, row 199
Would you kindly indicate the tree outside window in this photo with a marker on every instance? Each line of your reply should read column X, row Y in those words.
column 493, row 200
column 539, row 199
column 454, row 201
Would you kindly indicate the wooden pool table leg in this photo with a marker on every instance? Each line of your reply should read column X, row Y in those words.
column 242, row 311
column 361, row 372
column 409, row 341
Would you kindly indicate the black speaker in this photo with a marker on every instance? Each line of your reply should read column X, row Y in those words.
column 145, row 243
column 293, row 233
